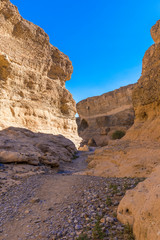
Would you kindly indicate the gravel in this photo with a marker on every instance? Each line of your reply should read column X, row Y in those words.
column 64, row 206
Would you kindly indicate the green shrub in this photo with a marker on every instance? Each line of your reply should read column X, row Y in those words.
column 129, row 231
column 108, row 201
column 83, row 236
column 97, row 232
column 118, row 134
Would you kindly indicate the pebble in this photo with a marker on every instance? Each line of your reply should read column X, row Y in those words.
column 103, row 220
column 78, row 227
column 109, row 219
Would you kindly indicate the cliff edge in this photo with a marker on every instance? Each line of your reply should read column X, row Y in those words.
column 32, row 82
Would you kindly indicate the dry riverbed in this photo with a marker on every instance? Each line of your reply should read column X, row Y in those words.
column 60, row 205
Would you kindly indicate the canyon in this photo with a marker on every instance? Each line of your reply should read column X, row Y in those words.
column 137, row 153
column 101, row 116
column 48, row 189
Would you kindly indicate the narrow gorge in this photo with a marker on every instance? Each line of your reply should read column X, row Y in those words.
column 63, row 178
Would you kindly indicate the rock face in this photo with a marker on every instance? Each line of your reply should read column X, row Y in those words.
column 140, row 208
column 102, row 115
column 137, row 154
column 124, row 158
column 32, row 78
column 33, row 94
column 22, row 145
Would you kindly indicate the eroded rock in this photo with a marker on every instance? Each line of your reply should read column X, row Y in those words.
column 140, row 208
column 137, row 154
column 102, row 115
column 32, row 78
column 21, row 145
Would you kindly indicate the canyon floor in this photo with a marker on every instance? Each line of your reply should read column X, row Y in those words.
column 44, row 203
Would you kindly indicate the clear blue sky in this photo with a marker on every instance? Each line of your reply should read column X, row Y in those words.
column 104, row 39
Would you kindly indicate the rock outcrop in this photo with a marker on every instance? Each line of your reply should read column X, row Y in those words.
column 100, row 116
column 140, row 208
column 33, row 94
column 22, row 145
column 32, row 78
column 137, row 154
column 124, row 158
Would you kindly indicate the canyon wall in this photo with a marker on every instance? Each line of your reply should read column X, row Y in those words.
column 140, row 208
column 138, row 153
column 101, row 116
column 32, row 79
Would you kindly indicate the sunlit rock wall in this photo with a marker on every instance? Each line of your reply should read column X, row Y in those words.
column 32, row 78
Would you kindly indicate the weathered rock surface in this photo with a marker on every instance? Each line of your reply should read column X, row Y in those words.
column 22, row 145
column 124, row 158
column 100, row 116
column 32, row 78
column 140, row 208
column 137, row 154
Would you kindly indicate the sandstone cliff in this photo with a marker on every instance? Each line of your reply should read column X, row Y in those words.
column 140, row 208
column 137, row 154
column 100, row 116
column 32, row 78
column 139, row 149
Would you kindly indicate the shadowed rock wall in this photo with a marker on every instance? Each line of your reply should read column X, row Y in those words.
column 100, row 116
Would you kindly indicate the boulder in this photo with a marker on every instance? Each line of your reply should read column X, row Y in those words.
column 92, row 142
column 140, row 208
column 20, row 145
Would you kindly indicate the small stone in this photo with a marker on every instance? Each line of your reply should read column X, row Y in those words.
column 109, row 219
column 35, row 200
column 78, row 227
column 103, row 220
column 73, row 234
column 50, row 209
column 116, row 203
column 37, row 221
column 26, row 212
column 78, row 233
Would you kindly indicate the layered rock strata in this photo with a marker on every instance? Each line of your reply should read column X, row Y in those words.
column 137, row 154
column 32, row 78
column 100, row 116
column 139, row 148
column 33, row 94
